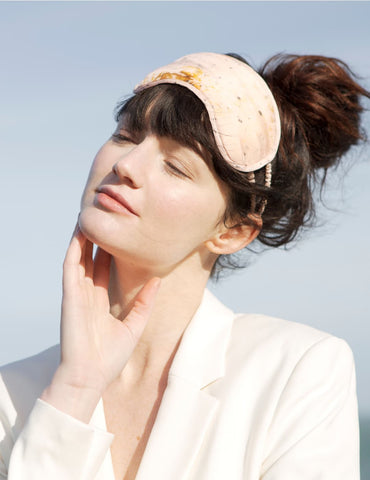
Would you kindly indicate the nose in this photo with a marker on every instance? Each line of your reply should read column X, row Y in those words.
column 124, row 174
column 131, row 166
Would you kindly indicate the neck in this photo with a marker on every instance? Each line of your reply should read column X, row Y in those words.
column 178, row 298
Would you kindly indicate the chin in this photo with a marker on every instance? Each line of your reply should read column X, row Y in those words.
column 95, row 226
column 103, row 230
column 120, row 239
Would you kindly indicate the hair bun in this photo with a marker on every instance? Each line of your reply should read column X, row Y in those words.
column 318, row 100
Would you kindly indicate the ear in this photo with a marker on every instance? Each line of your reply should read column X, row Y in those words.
column 232, row 239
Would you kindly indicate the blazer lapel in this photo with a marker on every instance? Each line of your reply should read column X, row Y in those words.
column 187, row 410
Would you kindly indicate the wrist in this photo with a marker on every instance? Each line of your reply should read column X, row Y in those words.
column 71, row 397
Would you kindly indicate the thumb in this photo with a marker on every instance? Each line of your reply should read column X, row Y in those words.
column 139, row 315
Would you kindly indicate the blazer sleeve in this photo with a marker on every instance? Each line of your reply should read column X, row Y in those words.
column 52, row 445
column 314, row 434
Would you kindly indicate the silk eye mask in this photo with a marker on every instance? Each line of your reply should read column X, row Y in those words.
column 241, row 107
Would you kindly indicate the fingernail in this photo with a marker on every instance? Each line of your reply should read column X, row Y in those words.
column 156, row 283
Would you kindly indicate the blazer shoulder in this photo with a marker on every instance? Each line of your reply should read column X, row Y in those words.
column 265, row 328
column 275, row 341
column 271, row 341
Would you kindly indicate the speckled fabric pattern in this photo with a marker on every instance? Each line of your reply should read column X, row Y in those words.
column 241, row 107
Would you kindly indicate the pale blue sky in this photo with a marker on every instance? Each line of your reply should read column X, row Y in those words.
column 63, row 67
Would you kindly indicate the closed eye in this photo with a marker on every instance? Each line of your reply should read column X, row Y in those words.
column 176, row 171
column 119, row 138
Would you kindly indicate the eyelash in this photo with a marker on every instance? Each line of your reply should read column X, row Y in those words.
column 118, row 137
column 176, row 171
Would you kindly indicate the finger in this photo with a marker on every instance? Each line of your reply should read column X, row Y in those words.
column 143, row 305
column 75, row 231
column 101, row 268
column 82, row 263
column 75, row 248
column 72, row 260
column 88, row 260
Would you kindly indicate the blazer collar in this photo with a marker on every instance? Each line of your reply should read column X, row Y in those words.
column 187, row 409
column 200, row 358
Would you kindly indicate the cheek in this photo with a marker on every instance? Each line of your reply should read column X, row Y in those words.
column 100, row 169
column 176, row 204
column 189, row 211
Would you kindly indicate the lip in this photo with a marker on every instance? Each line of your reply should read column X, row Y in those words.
column 107, row 190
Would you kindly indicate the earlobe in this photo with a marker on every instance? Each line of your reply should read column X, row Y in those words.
column 231, row 240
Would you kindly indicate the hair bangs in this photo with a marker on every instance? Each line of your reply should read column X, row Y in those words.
column 172, row 111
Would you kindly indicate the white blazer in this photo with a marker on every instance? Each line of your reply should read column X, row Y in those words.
column 249, row 397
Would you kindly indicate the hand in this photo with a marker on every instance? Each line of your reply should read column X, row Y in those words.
column 95, row 346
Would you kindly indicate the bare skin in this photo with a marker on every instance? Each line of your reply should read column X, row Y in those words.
column 95, row 345
column 125, row 311
column 118, row 360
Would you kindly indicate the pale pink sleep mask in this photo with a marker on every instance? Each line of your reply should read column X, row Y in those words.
column 241, row 107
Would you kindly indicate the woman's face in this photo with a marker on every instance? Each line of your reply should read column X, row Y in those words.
column 173, row 200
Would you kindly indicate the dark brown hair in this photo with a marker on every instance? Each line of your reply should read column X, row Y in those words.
column 319, row 104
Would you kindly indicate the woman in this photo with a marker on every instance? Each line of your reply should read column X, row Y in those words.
column 154, row 377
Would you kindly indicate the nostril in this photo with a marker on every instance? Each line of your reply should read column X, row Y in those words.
column 124, row 175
